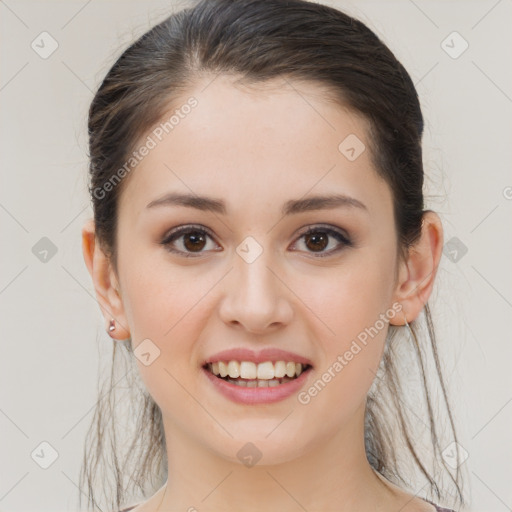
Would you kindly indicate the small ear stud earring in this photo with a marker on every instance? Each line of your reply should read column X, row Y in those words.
column 112, row 325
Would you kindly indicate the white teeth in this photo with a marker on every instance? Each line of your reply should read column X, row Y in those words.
column 279, row 369
column 267, row 372
column 238, row 382
column 223, row 369
column 290, row 369
column 254, row 383
column 233, row 369
column 248, row 370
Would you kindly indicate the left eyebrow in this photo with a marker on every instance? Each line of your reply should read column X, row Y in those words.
column 322, row 203
column 293, row 206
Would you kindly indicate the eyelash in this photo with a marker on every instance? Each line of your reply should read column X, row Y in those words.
column 183, row 230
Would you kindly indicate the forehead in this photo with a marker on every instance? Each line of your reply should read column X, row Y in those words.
column 263, row 141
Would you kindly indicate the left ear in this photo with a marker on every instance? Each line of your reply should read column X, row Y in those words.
column 417, row 274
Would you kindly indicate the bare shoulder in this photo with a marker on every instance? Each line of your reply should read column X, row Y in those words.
column 149, row 505
column 410, row 503
column 403, row 500
column 139, row 507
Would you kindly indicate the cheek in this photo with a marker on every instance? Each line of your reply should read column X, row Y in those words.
column 160, row 298
column 169, row 312
column 170, row 307
column 349, row 298
column 355, row 310
column 350, row 358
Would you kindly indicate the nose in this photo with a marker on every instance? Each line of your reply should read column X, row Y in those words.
column 255, row 298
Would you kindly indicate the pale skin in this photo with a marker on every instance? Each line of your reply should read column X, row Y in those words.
column 256, row 148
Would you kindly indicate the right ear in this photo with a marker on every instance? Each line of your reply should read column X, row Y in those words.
column 105, row 282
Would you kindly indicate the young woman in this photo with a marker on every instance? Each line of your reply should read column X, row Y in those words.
column 261, row 254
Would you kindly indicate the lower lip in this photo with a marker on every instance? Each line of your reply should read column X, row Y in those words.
column 252, row 396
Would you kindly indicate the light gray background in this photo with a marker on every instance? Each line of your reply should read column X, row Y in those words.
column 50, row 320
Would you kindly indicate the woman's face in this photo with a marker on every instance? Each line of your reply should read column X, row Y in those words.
column 251, row 163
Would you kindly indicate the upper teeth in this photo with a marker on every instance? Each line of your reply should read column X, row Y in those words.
column 262, row 371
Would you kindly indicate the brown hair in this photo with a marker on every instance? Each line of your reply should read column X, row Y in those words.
column 258, row 40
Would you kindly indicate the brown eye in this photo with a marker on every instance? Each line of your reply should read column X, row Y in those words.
column 317, row 241
column 195, row 241
column 318, row 238
column 188, row 241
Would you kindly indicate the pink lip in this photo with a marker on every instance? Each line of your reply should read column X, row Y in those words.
column 252, row 396
column 267, row 354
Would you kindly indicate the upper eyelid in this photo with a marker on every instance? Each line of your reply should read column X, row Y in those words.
column 318, row 227
column 182, row 230
column 302, row 230
column 176, row 233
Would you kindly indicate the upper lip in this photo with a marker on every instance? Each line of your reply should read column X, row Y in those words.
column 266, row 354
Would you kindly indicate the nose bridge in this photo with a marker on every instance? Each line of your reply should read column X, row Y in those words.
column 254, row 279
column 255, row 298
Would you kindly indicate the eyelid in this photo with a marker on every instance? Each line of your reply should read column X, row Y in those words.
column 185, row 228
column 312, row 228
column 333, row 231
column 178, row 231
column 340, row 235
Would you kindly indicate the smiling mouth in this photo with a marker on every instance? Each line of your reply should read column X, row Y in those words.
column 257, row 375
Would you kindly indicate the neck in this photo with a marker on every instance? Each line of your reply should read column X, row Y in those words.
column 332, row 474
